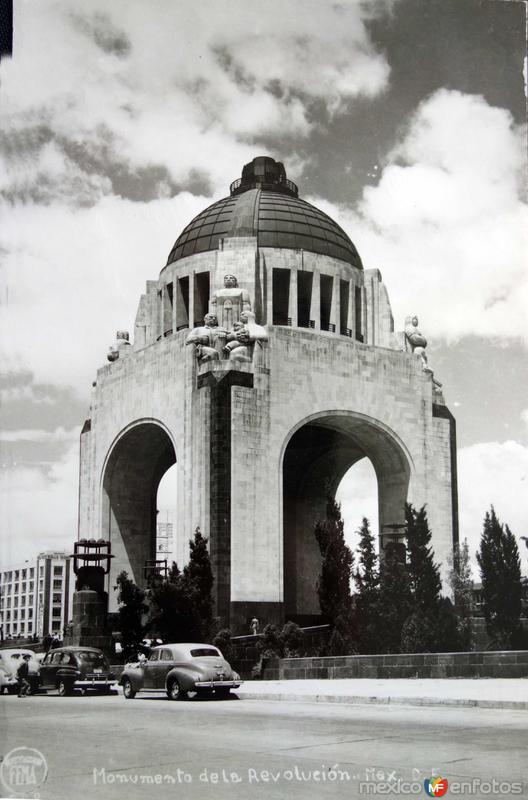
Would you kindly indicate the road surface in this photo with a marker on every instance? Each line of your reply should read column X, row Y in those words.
column 109, row 748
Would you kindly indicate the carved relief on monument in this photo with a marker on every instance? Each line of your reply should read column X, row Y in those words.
column 228, row 303
column 209, row 339
column 122, row 343
column 230, row 331
column 415, row 340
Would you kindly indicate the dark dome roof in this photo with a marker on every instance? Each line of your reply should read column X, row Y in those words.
column 263, row 203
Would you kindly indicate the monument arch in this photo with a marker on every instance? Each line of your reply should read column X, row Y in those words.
column 136, row 462
column 316, row 456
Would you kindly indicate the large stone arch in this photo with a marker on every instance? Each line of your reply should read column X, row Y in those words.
column 135, row 463
column 317, row 453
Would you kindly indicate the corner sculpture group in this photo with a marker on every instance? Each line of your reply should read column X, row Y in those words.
column 229, row 330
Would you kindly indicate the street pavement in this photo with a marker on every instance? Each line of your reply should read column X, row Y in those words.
column 110, row 748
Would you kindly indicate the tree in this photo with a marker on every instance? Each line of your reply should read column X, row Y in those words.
column 367, row 580
column 181, row 604
column 132, row 610
column 461, row 582
column 424, row 574
column 199, row 576
column 500, row 571
column 395, row 602
column 333, row 586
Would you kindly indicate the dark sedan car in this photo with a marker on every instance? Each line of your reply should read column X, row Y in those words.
column 70, row 668
column 182, row 670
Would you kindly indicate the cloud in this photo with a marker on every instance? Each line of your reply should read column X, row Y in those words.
column 446, row 223
column 35, row 435
column 39, row 509
column 524, row 417
column 71, row 278
column 493, row 473
column 133, row 91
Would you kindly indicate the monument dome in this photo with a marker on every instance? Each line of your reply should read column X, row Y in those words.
column 265, row 204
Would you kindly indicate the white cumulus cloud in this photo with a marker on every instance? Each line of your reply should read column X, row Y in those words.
column 493, row 473
column 446, row 223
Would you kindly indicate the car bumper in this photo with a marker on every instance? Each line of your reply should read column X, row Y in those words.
column 218, row 684
column 95, row 683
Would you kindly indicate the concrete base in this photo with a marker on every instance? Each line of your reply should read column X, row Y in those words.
column 500, row 664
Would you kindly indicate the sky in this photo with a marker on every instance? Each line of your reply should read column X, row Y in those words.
column 402, row 119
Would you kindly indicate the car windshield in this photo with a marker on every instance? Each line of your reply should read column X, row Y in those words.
column 205, row 651
column 92, row 659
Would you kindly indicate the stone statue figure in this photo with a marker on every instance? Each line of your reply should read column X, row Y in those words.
column 241, row 338
column 121, row 344
column 209, row 339
column 416, row 341
column 228, row 303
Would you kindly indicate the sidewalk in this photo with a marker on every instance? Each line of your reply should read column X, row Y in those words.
column 509, row 693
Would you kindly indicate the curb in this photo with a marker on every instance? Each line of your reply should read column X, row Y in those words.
column 516, row 705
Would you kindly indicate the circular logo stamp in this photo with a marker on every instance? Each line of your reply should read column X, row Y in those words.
column 23, row 770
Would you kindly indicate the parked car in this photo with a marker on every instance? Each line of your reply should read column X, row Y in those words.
column 8, row 683
column 182, row 670
column 70, row 668
column 10, row 661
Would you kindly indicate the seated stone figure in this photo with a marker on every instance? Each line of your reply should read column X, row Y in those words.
column 416, row 342
column 241, row 339
column 208, row 338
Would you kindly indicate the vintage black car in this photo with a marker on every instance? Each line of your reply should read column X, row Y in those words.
column 70, row 668
column 181, row 670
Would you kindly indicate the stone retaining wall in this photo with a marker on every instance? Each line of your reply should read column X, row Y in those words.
column 497, row 664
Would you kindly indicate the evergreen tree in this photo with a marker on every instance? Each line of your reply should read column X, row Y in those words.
column 461, row 582
column 132, row 610
column 367, row 580
column 199, row 576
column 432, row 625
column 424, row 574
column 181, row 604
column 333, row 586
column 173, row 609
column 395, row 602
column 500, row 570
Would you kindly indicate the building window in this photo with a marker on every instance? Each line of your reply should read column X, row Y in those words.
column 57, row 598
column 16, row 588
column 325, row 300
column 201, row 296
column 30, row 600
column 182, row 303
column 32, row 572
column 31, row 585
column 30, row 613
column 57, row 584
column 22, row 614
column 24, row 574
column 304, row 298
column 57, row 570
column 15, row 602
column 281, row 295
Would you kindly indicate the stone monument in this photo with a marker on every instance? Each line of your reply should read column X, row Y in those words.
column 265, row 362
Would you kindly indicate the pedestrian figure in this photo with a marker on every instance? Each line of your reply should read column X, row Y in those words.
column 22, row 675
column 254, row 626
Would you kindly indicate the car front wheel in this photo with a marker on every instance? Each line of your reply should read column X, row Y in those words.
column 64, row 689
column 128, row 690
column 174, row 692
